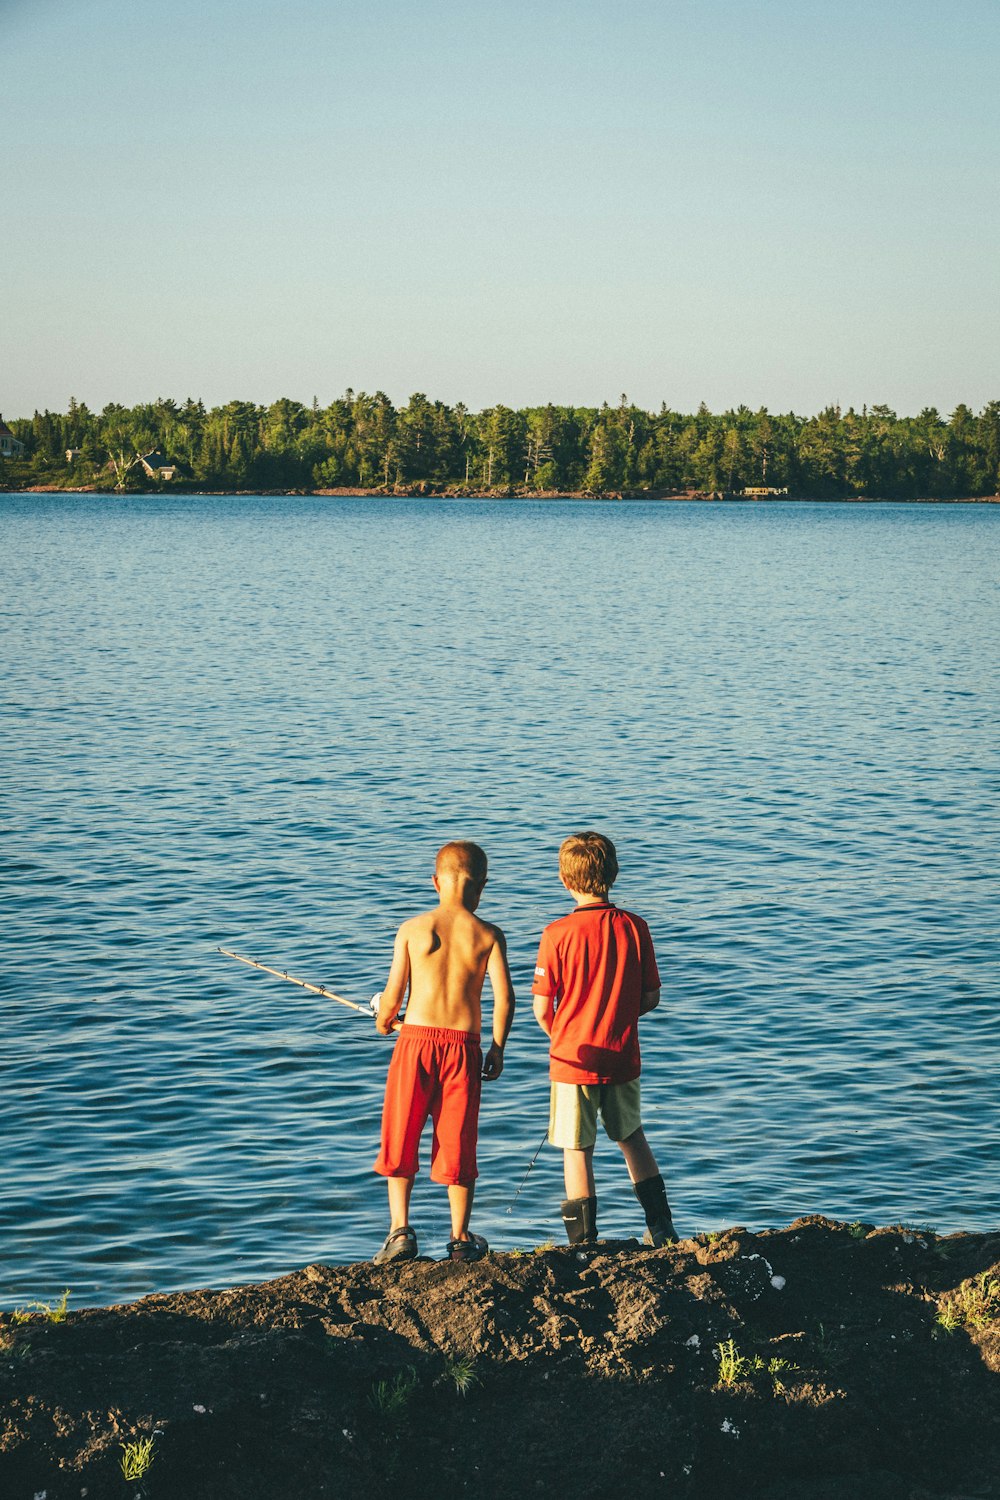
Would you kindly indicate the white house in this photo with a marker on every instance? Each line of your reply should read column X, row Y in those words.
column 9, row 445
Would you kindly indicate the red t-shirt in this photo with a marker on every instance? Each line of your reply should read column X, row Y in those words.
column 595, row 963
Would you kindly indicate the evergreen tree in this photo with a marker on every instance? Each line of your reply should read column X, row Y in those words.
column 361, row 440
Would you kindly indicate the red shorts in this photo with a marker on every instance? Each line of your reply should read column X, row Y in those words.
column 438, row 1072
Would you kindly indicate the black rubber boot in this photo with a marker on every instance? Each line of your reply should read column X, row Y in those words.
column 652, row 1196
column 580, row 1217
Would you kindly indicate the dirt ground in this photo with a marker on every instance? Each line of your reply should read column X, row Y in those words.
column 855, row 1362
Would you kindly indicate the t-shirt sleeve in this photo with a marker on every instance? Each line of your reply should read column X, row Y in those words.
column 650, row 973
column 546, row 980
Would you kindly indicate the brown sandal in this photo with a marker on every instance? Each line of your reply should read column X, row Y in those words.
column 474, row 1248
column 399, row 1244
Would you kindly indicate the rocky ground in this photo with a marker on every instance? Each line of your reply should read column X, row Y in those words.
column 823, row 1360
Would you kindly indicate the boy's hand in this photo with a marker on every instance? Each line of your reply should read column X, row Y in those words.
column 387, row 1027
column 493, row 1063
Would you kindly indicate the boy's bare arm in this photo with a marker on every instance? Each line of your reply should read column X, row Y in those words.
column 649, row 1001
column 545, row 1009
column 391, row 1002
column 503, row 1005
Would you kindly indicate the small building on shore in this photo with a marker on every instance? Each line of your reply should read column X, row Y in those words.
column 10, row 446
column 72, row 454
column 157, row 466
column 762, row 491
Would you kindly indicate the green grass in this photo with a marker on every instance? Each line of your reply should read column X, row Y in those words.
column 390, row 1398
column 51, row 1312
column 827, row 1340
column 776, row 1368
column 732, row 1364
column 462, row 1373
column 137, row 1457
column 973, row 1304
column 856, row 1230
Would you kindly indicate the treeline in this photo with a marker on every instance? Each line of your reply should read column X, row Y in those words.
column 364, row 441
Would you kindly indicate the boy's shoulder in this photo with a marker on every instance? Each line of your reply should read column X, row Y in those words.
column 487, row 929
column 419, row 919
column 581, row 918
column 425, row 921
column 559, row 924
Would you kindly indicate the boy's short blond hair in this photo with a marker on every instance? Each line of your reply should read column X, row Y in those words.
column 588, row 863
column 462, row 857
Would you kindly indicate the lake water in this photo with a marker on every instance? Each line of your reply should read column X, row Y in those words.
column 251, row 722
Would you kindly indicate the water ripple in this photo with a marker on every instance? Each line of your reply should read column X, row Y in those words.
column 251, row 722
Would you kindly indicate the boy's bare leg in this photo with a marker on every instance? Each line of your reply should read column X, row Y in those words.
column 649, row 1189
column 400, row 1189
column 578, row 1170
column 639, row 1158
column 460, row 1196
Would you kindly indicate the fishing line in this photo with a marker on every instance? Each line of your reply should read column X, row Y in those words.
column 524, row 1179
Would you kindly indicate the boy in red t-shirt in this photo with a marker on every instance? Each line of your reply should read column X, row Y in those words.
column 596, row 975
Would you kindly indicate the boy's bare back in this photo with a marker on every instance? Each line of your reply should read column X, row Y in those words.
column 443, row 957
column 448, row 951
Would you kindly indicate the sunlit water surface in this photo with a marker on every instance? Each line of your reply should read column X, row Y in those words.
column 252, row 721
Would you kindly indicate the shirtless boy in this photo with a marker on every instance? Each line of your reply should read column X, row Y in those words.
column 437, row 1064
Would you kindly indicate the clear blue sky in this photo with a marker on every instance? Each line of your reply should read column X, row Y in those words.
column 785, row 203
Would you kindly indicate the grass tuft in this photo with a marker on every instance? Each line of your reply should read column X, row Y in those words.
column 137, row 1457
column 18, row 1351
column 776, row 1368
column 973, row 1304
column 462, row 1373
column 390, row 1398
column 51, row 1312
column 732, row 1364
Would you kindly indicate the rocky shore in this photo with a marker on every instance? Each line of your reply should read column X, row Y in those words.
column 424, row 491
column 822, row 1360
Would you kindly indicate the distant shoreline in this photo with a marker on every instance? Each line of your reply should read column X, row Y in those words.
column 417, row 492
column 363, row 444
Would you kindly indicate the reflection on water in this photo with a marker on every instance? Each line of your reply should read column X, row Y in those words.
column 252, row 722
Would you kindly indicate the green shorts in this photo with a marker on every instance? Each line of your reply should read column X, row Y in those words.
column 574, row 1108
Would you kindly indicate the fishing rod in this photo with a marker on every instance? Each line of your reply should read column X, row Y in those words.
column 371, row 1009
